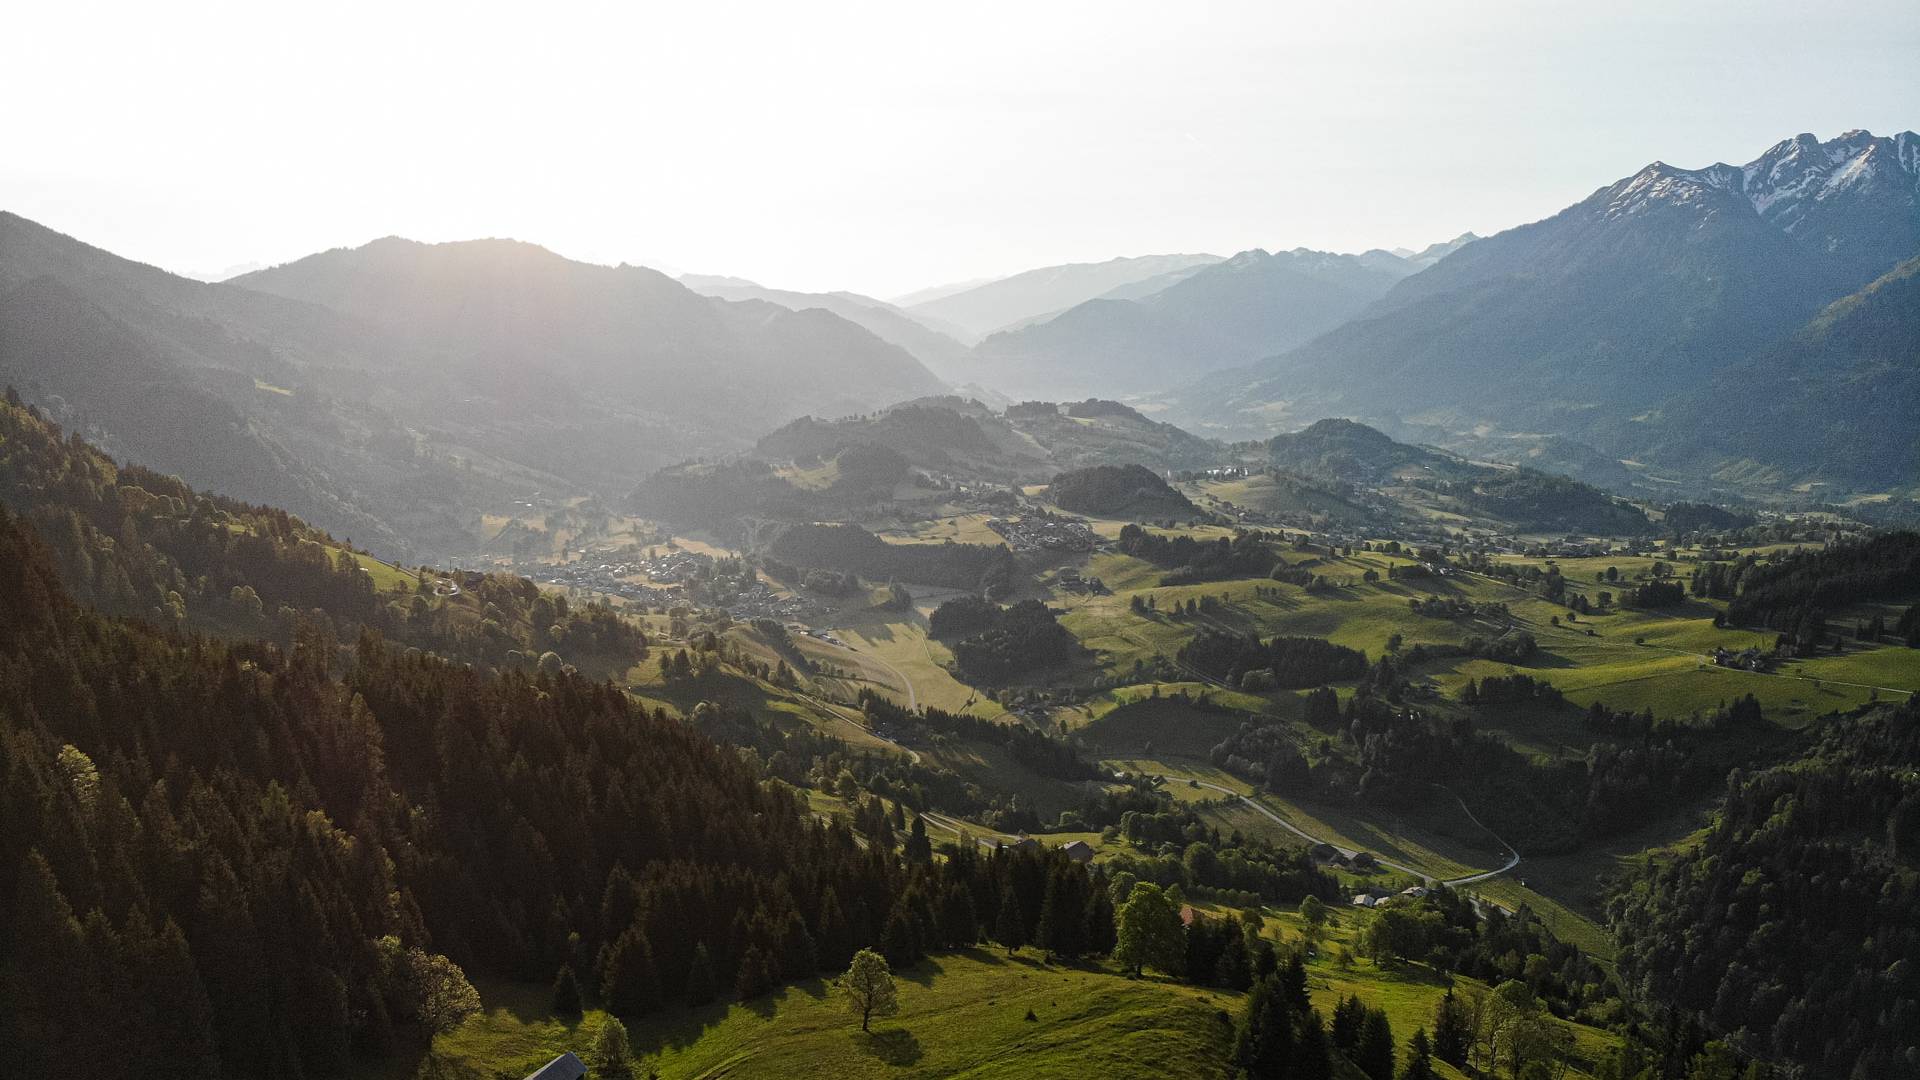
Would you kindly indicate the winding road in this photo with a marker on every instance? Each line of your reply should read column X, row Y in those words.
column 1512, row 862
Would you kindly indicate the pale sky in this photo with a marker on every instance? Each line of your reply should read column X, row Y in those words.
column 889, row 146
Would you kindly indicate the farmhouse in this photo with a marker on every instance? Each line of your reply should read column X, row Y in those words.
column 564, row 1067
column 1079, row 851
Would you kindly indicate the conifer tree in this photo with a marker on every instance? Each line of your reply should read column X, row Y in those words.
column 1452, row 1030
column 1375, row 1051
column 1010, row 929
column 628, row 983
column 566, row 993
column 919, row 850
column 1263, row 1045
column 752, row 980
column 702, row 984
column 1293, row 982
column 1235, row 969
column 1419, row 1058
column 1100, row 930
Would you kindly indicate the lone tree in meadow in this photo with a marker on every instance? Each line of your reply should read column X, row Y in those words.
column 869, row 987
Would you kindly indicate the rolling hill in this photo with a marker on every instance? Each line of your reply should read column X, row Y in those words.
column 1345, row 452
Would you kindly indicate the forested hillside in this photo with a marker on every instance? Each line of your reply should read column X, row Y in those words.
column 1794, row 928
column 131, row 541
column 251, row 861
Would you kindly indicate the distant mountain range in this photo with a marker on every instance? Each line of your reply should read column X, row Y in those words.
column 386, row 392
column 920, row 336
column 1212, row 317
column 1624, row 320
column 981, row 309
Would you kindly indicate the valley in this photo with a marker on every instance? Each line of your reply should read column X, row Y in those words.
column 572, row 602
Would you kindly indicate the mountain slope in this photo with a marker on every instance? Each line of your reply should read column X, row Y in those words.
column 396, row 392
column 495, row 308
column 1836, row 404
column 131, row 391
column 982, row 309
column 1226, row 314
column 940, row 352
column 1573, row 324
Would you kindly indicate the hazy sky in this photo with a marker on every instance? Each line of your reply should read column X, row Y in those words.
column 890, row 146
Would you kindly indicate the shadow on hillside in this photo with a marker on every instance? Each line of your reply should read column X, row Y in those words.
column 1545, row 658
column 920, row 974
column 895, row 1046
column 680, row 1027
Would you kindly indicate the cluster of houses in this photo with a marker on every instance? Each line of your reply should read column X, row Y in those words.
column 1369, row 898
column 613, row 579
column 1045, row 534
column 1078, row 850
column 760, row 601
column 1363, row 861
column 675, row 567
column 1748, row 659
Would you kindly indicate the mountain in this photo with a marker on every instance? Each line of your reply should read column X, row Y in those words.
column 124, row 388
column 1433, row 253
column 500, row 315
column 982, row 309
column 395, row 392
column 938, row 292
column 1576, row 324
column 1207, row 318
column 939, row 351
column 1832, row 406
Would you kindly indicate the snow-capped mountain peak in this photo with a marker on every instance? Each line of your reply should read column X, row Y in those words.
column 1812, row 190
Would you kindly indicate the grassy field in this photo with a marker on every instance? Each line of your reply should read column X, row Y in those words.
column 1363, row 616
column 961, row 1015
column 897, row 651
column 961, row 529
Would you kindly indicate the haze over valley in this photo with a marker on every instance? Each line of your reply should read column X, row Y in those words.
column 875, row 542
